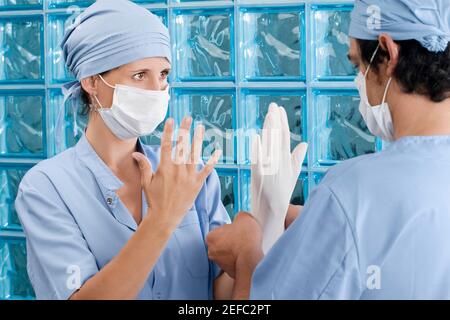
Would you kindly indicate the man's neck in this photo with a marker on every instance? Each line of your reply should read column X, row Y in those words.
column 416, row 115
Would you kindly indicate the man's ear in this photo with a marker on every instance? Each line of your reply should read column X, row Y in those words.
column 388, row 44
column 89, row 85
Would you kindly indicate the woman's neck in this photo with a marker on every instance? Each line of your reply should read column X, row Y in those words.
column 116, row 153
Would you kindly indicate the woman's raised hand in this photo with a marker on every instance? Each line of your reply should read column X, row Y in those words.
column 173, row 188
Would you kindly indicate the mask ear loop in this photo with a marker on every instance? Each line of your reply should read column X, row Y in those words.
column 95, row 96
column 98, row 102
column 371, row 60
column 105, row 82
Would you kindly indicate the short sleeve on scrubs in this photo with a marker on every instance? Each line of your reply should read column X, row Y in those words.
column 59, row 260
column 316, row 258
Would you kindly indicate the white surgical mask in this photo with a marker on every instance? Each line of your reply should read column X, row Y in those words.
column 378, row 118
column 134, row 112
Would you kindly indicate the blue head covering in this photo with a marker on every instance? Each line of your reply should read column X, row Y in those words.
column 427, row 21
column 108, row 34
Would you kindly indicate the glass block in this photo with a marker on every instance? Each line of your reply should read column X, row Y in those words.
column 331, row 42
column 253, row 110
column 340, row 132
column 299, row 195
column 215, row 110
column 10, row 177
column 204, row 44
column 22, row 123
column 316, row 178
column 74, row 124
column 20, row 4
column 272, row 43
column 21, row 41
column 181, row 1
column 14, row 281
column 57, row 24
column 229, row 189
column 155, row 137
column 85, row 3
column 162, row 14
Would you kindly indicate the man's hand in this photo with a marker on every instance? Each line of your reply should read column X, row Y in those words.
column 232, row 242
column 292, row 214
column 274, row 174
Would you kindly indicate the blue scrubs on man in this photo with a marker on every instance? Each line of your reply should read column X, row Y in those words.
column 75, row 224
column 366, row 232
column 377, row 226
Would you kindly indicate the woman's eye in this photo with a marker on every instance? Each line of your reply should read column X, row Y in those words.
column 164, row 74
column 139, row 76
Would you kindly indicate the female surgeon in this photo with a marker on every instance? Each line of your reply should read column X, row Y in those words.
column 378, row 226
column 112, row 218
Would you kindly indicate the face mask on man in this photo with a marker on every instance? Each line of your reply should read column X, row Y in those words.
column 378, row 118
column 134, row 112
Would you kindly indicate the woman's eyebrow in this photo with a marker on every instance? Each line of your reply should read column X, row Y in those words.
column 150, row 70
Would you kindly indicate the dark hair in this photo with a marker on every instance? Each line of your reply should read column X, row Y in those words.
column 86, row 99
column 418, row 70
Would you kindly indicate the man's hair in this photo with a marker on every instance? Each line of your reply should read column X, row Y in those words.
column 418, row 70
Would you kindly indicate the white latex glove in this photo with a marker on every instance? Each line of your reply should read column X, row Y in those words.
column 275, row 172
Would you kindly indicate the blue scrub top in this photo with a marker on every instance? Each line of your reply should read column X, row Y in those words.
column 377, row 227
column 74, row 221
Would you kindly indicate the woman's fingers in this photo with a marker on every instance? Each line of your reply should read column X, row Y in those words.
column 166, row 142
column 145, row 167
column 196, row 150
column 181, row 149
column 209, row 167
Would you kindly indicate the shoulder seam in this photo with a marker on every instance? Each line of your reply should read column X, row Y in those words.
column 352, row 228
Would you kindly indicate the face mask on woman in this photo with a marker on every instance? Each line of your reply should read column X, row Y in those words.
column 134, row 112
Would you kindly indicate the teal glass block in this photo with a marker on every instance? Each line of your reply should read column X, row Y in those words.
column 75, row 121
column 86, row 3
column 299, row 195
column 155, row 137
column 20, row 4
column 162, row 15
column 204, row 44
column 229, row 190
column 22, row 123
column 14, row 281
column 181, row 1
column 340, row 132
column 272, row 44
column 316, row 179
column 57, row 25
column 331, row 42
column 21, row 45
column 10, row 177
column 215, row 110
column 253, row 110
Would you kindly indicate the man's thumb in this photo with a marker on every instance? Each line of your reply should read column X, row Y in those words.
column 298, row 156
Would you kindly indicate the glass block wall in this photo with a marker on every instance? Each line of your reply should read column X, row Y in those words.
column 231, row 59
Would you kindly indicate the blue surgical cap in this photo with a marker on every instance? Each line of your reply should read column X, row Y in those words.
column 427, row 21
column 109, row 34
